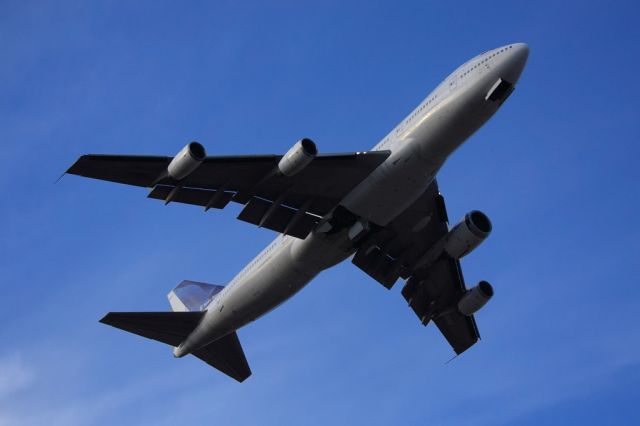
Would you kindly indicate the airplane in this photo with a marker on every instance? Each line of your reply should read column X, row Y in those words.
column 382, row 208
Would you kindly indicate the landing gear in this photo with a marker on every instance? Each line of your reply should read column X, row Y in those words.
column 339, row 219
column 358, row 229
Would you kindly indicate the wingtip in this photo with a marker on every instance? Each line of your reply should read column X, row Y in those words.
column 71, row 170
column 105, row 318
column 240, row 377
column 452, row 358
column 61, row 176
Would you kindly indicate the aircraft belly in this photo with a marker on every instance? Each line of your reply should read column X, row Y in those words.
column 321, row 251
column 264, row 288
column 392, row 187
column 272, row 285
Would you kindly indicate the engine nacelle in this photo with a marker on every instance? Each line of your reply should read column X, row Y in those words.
column 468, row 234
column 475, row 298
column 186, row 161
column 298, row 157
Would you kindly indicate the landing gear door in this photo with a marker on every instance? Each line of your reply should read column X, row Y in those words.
column 500, row 91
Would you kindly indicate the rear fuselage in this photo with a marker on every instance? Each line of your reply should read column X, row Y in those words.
column 419, row 146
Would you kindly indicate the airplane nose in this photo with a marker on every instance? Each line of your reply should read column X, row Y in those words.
column 520, row 54
column 517, row 59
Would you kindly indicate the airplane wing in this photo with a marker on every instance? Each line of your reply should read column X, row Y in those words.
column 432, row 290
column 394, row 251
column 433, row 294
column 292, row 205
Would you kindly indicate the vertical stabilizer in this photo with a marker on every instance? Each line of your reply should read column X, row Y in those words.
column 191, row 295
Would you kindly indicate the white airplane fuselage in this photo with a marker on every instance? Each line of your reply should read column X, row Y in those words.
column 419, row 146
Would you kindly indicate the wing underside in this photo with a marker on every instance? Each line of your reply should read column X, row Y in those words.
column 433, row 290
column 291, row 205
column 433, row 295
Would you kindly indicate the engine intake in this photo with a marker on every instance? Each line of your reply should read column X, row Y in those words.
column 186, row 161
column 468, row 234
column 475, row 298
column 298, row 157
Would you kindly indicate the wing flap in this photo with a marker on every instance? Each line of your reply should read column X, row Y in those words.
column 278, row 218
column 196, row 196
column 378, row 265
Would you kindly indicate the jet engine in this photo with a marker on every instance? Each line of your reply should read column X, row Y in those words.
column 186, row 161
column 468, row 234
column 298, row 157
column 475, row 298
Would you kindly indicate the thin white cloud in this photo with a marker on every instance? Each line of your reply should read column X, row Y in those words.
column 96, row 407
column 15, row 375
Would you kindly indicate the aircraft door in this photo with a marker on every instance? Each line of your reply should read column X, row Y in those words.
column 484, row 66
column 453, row 82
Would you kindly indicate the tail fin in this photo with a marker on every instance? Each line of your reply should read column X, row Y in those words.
column 191, row 295
column 172, row 328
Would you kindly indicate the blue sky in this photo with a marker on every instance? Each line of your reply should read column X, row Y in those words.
column 555, row 169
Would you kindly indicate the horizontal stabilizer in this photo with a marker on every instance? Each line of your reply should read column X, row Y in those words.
column 226, row 355
column 172, row 328
column 166, row 327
